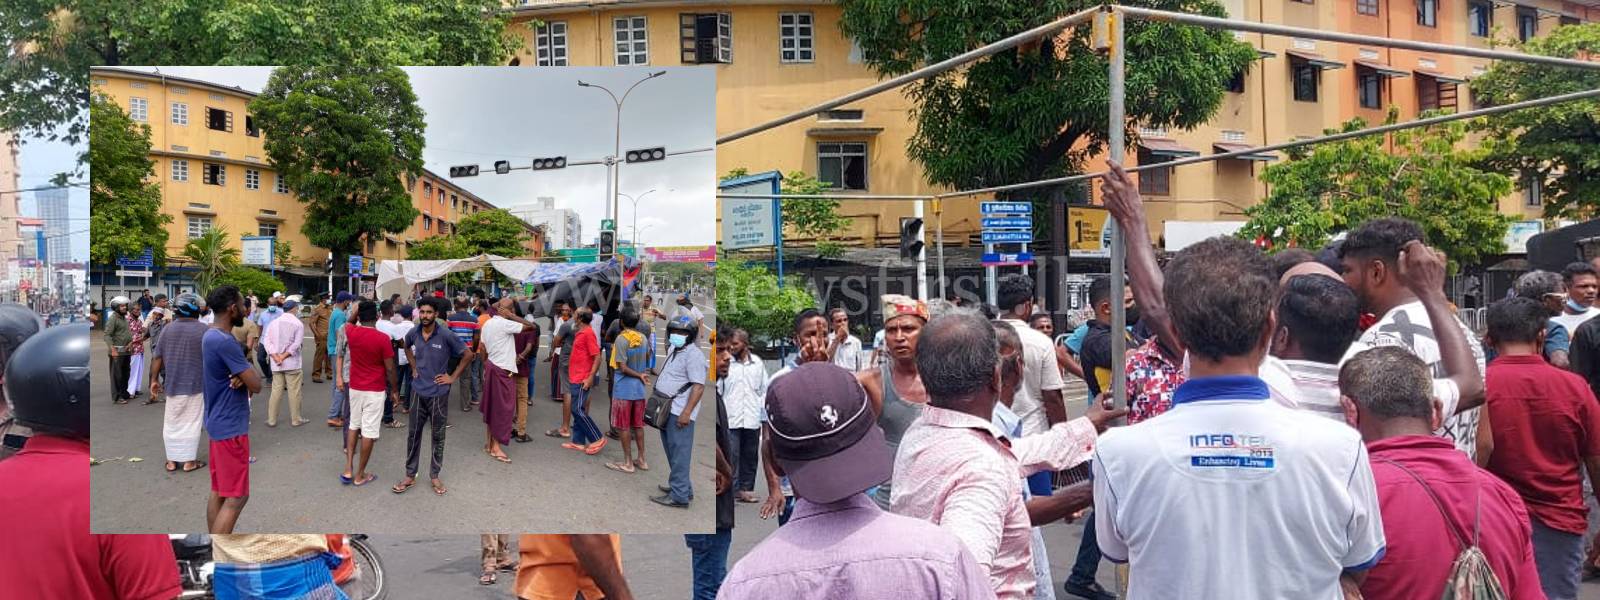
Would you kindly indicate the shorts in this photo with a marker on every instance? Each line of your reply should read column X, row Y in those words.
column 230, row 467
column 366, row 413
column 627, row 414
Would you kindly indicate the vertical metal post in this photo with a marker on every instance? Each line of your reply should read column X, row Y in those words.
column 1116, row 122
column 989, row 275
column 938, row 240
column 922, row 257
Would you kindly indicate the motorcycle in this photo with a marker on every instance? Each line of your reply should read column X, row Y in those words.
column 361, row 576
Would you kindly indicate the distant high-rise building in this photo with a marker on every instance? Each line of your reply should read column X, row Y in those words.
column 52, row 205
column 562, row 225
column 10, row 204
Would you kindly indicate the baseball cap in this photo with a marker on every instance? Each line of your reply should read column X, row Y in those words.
column 824, row 435
column 343, row 297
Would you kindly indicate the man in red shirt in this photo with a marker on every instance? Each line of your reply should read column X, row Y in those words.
column 372, row 372
column 1546, row 426
column 1387, row 393
column 44, row 503
column 581, row 369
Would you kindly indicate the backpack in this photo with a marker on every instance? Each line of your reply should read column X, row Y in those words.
column 1471, row 578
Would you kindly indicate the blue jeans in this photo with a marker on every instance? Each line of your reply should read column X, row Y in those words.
column 584, row 431
column 1088, row 563
column 709, row 554
column 678, row 443
column 339, row 407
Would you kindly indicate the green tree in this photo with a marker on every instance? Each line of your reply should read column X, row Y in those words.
column 495, row 232
column 342, row 137
column 282, row 252
column 1560, row 144
column 748, row 296
column 443, row 247
column 815, row 218
column 251, row 281
column 1427, row 179
column 44, row 89
column 212, row 257
column 1039, row 110
column 124, row 203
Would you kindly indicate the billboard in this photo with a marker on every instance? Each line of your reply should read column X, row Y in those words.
column 695, row 254
column 1088, row 232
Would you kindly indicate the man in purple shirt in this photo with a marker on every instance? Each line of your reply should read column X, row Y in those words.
column 838, row 543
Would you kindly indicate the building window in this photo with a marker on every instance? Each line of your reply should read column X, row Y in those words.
column 1306, row 79
column 843, row 166
column 427, row 190
column 1236, row 83
column 198, row 226
column 1367, row 7
column 215, row 174
column 281, row 187
column 267, row 230
column 795, row 37
column 1480, row 18
column 250, row 126
column 252, row 179
column 1370, row 88
column 633, row 43
column 1568, row 20
column 218, row 119
column 139, row 109
column 180, row 170
column 441, row 196
column 1527, row 23
column 427, row 223
column 550, row 44
column 1532, row 190
column 845, row 114
column 1428, row 13
column 705, row 38
column 180, row 113
column 454, row 200
column 1157, row 182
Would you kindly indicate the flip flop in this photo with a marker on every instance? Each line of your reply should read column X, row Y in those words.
column 501, row 458
column 172, row 466
column 572, row 446
column 345, row 479
column 595, row 448
column 400, row 488
column 620, row 468
column 641, row 464
column 556, row 433
column 438, row 490
column 199, row 464
column 119, row 401
column 486, row 578
column 370, row 478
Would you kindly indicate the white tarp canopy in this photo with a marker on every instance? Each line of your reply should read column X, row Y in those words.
column 397, row 276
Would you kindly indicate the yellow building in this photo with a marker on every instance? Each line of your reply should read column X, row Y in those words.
column 211, row 166
column 775, row 58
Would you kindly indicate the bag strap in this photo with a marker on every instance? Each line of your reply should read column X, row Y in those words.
column 1455, row 529
column 686, row 385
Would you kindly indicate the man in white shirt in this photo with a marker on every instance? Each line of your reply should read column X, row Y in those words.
column 1583, row 284
column 1039, row 401
column 1370, row 256
column 687, row 308
column 499, row 337
column 396, row 324
column 843, row 349
column 744, row 392
column 1228, row 494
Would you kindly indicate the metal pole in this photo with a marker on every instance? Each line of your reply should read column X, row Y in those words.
column 938, row 237
column 922, row 258
column 1116, row 124
column 1148, row 14
column 933, row 69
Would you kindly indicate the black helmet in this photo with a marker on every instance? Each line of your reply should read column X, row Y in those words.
column 47, row 381
column 17, row 324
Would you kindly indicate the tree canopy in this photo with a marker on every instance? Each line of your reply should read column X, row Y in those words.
column 212, row 256
column 1037, row 111
column 1560, row 144
column 124, row 203
column 495, row 232
column 251, row 281
column 748, row 294
column 345, row 138
column 44, row 77
column 1337, row 186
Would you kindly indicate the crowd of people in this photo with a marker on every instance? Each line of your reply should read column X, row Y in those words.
column 1306, row 424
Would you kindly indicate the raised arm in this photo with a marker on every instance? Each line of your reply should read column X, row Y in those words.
column 1422, row 269
column 1122, row 200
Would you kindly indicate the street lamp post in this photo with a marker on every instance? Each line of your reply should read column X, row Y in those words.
column 611, row 162
column 635, row 202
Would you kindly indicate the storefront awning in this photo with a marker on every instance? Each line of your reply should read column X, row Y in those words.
column 1441, row 77
column 1383, row 70
column 1314, row 59
column 1222, row 147
column 1167, row 148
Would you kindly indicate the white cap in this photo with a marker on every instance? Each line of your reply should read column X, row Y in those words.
column 119, row 300
column 295, row 299
column 277, row 294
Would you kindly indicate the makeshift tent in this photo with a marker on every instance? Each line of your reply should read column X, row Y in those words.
column 564, row 281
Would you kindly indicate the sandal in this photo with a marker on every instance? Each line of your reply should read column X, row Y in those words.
column 487, row 578
column 641, row 464
column 556, row 433
column 120, row 401
column 171, row 466
column 369, row 479
column 395, row 424
column 501, row 457
column 572, row 446
column 199, row 464
column 151, row 401
column 438, row 489
column 400, row 488
column 620, row 467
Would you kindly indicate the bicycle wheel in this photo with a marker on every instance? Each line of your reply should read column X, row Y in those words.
column 368, row 584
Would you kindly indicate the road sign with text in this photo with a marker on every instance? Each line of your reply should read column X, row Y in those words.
column 1004, row 237
column 1006, row 208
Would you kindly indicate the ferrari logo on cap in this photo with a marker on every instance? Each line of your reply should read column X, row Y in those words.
column 829, row 416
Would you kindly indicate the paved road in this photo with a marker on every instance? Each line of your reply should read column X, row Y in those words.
column 436, row 567
column 295, row 485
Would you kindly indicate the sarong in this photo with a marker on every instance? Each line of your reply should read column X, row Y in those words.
column 181, row 426
column 499, row 401
column 309, row 577
column 135, row 373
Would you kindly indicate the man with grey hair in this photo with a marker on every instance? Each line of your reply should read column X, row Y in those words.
column 1546, row 288
column 956, row 469
column 1387, row 394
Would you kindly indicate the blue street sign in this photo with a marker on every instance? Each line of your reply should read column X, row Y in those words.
column 355, row 264
column 1003, row 259
column 996, row 208
column 1008, row 223
column 1001, row 237
column 145, row 260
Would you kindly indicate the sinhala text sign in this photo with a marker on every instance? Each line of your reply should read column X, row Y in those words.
column 750, row 222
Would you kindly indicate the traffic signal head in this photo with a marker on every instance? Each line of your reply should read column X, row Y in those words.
column 910, row 238
column 554, row 162
column 502, row 167
column 645, row 155
column 464, row 171
column 330, row 262
column 607, row 245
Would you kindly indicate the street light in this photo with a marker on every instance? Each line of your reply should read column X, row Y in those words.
column 616, row 154
column 635, row 202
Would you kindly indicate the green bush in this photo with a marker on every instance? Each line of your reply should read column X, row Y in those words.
column 251, row 281
column 748, row 297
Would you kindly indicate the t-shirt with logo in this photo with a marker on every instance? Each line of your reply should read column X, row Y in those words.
column 227, row 408
column 1408, row 326
column 369, row 348
column 1230, row 495
column 465, row 326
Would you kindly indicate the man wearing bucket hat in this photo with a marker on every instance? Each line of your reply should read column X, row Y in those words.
column 838, row 542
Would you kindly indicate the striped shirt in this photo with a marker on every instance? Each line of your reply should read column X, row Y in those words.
column 1317, row 385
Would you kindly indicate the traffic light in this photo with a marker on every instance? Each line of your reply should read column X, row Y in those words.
column 554, row 162
column 330, row 263
column 464, row 171
column 645, row 155
column 910, row 238
column 607, row 246
column 502, row 167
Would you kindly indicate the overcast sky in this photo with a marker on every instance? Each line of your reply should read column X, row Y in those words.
column 40, row 161
column 477, row 115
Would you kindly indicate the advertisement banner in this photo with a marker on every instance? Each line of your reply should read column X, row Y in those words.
column 697, row 254
column 1518, row 233
column 1088, row 232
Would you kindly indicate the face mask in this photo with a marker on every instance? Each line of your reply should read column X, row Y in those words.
column 677, row 340
column 1131, row 314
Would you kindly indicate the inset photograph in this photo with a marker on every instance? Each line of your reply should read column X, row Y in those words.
column 403, row 300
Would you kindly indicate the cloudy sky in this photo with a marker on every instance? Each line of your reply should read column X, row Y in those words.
column 477, row 115
column 40, row 161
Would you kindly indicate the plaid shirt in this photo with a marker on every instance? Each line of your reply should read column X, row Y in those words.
column 1151, row 380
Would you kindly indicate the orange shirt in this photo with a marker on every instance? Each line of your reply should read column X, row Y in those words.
column 549, row 569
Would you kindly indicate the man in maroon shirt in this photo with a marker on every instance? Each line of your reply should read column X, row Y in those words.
column 48, row 551
column 1546, row 426
column 1387, row 392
